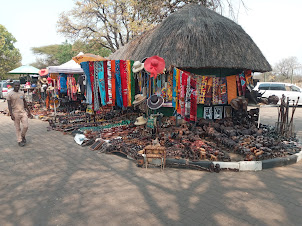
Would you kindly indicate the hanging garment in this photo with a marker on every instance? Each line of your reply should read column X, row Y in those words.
column 113, row 82
column 239, row 88
column 133, row 83
column 193, row 110
column 242, row 83
column 91, row 73
column 232, row 87
column 71, row 88
column 208, row 95
column 223, row 96
column 128, row 70
column 215, row 96
column 188, row 99
column 85, row 67
column 118, row 82
column 249, row 80
column 174, row 88
column 63, row 83
column 106, row 81
column 202, row 88
column 177, row 90
column 123, row 69
column 183, row 93
column 170, row 86
column 101, row 80
column 96, row 87
column 109, row 82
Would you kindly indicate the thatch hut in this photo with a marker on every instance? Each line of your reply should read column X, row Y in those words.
column 199, row 40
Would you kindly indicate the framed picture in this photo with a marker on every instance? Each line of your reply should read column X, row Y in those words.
column 227, row 111
column 218, row 110
column 208, row 114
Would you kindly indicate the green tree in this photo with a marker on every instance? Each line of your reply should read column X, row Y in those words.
column 10, row 57
column 113, row 23
column 46, row 56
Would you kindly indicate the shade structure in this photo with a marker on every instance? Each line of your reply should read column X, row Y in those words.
column 25, row 69
column 70, row 67
column 195, row 37
column 88, row 57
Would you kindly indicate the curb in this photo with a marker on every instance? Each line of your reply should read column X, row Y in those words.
column 244, row 165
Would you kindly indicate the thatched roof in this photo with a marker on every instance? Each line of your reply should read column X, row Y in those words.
column 196, row 37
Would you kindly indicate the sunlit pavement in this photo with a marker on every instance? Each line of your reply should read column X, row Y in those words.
column 53, row 181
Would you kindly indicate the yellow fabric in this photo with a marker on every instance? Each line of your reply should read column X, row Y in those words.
column 232, row 87
column 128, row 63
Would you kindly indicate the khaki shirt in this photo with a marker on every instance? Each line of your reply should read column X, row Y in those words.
column 17, row 101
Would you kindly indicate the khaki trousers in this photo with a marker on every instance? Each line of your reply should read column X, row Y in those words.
column 21, row 117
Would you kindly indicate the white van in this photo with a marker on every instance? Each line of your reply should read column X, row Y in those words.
column 278, row 88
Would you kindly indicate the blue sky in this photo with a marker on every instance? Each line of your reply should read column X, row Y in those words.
column 274, row 25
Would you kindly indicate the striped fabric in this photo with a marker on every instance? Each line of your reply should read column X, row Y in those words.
column 109, row 82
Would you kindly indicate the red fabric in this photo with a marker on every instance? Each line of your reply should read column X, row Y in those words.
column 106, row 80
column 123, row 68
column 193, row 110
column 239, row 88
column 113, row 82
column 184, row 83
column 91, row 73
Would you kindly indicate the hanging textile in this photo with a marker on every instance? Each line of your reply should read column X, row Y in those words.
column 174, row 88
column 202, row 89
column 71, row 88
column 232, row 87
column 113, row 82
column 106, row 81
column 188, row 99
column 193, row 110
column 177, row 90
column 63, row 83
column 101, row 80
column 158, row 85
column 170, row 86
column 208, row 95
column 242, row 83
column 85, row 67
column 183, row 93
column 96, row 101
column 123, row 69
column 118, row 82
column 215, row 96
column 239, row 88
column 91, row 74
column 133, row 83
column 128, row 70
column 109, row 82
column 223, row 96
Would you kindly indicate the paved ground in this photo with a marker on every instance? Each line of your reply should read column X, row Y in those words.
column 53, row 181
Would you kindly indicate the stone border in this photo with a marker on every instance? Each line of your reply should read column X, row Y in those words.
column 244, row 165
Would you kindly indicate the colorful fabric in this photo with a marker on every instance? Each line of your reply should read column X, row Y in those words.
column 85, row 67
column 183, row 93
column 193, row 110
column 243, row 83
column 106, row 81
column 188, row 99
column 232, row 87
column 203, row 89
column 133, row 87
column 63, row 83
column 174, row 91
column 123, row 68
column 109, row 82
column 96, row 101
column 178, row 89
column 91, row 73
column 113, row 82
column 170, row 86
column 118, row 82
column 223, row 95
column 239, row 88
column 208, row 95
column 128, row 70
column 215, row 96
column 71, row 88
column 101, row 80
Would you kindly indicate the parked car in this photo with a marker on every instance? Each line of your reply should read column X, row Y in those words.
column 3, row 89
column 278, row 88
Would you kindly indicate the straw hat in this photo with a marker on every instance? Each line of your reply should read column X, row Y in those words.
column 154, row 102
column 137, row 66
column 138, row 99
column 140, row 121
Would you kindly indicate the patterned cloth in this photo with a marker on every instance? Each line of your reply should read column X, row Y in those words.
column 232, row 87
column 239, row 88
column 133, row 87
column 113, row 82
column 178, row 89
column 183, row 93
column 63, row 83
column 208, row 94
column 85, row 67
column 193, row 110
column 106, row 81
column 223, row 95
column 91, row 73
column 109, row 82
column 101, row 80
column 123, row 68
column 203, row 89
column 96, row 101
column 188, row 99
column 118, row 82
column 243, row 83
column 128, row 70
column 170, row 86
column 215, row 96
column 174, row 88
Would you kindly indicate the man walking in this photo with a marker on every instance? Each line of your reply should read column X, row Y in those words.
column 17, row 107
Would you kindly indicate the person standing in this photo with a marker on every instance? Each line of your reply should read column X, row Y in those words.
column 19, row 112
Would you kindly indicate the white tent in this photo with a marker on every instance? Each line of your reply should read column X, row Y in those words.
column 70, row 67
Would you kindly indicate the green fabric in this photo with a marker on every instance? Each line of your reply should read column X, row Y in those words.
column 200, row 110
column 132, row 82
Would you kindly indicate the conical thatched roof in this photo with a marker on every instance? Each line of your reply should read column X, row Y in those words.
column 196, row 37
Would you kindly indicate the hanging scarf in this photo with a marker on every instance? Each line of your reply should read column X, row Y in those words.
column 223, row 96
column 215, row 97
column 183, row 93
column 124, row 78
column 113, row 82
column 133, row 80
column 63, row 83
column 118, row 82
column 170, row 86
column 109, row 82
column 239, row 88
column 193, row 110
column 106, row 81
column 85, row 67
column 101, row 80
column 91, row 73
column 209, row 88
column 202, row 88
column 177, row 90
column 96, row 101
column 242, row 83
column 188, row 99
column 174, row 89
column 128, row 70
column 232, row 87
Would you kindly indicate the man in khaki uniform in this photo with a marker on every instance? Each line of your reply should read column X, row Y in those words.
column 17, row 108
